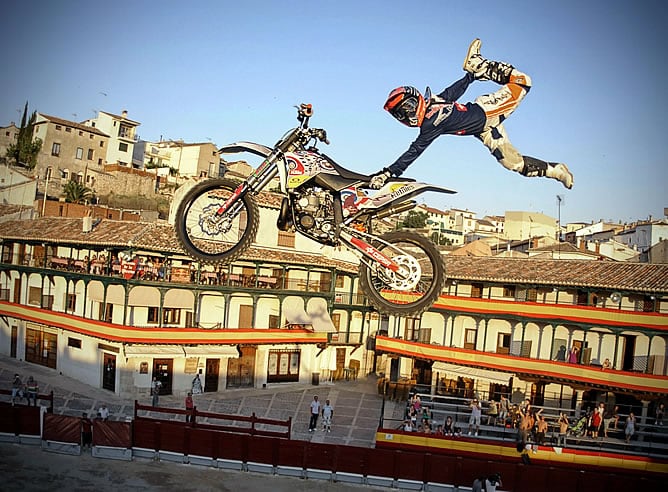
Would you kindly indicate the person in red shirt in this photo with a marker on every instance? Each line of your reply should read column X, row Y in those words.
column 190, row 405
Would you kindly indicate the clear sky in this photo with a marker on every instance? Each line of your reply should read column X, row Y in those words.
column 233, row 70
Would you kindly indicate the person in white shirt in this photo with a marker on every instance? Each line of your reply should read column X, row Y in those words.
column 327, row 414
column 315, row 411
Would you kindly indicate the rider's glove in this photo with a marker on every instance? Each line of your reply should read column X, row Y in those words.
column 378, row 180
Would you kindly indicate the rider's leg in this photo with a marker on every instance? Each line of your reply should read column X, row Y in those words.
column 494, row 137
column 496, row 71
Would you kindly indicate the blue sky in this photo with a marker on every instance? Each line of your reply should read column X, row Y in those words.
column 233, row 70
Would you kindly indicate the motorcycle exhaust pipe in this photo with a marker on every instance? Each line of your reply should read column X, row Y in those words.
column 397, row 209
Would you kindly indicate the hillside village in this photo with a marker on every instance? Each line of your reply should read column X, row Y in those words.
column 130, row 177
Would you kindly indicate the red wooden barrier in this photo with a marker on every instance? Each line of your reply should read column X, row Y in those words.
column 62, row 428
column 113, row 434
column 20, row 420
column 351, row 459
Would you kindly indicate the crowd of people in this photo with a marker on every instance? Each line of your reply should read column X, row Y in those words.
column 531, row 425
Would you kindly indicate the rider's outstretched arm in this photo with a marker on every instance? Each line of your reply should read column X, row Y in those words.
column 457, row 89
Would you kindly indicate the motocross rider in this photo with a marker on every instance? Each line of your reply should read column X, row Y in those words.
column 483, row 118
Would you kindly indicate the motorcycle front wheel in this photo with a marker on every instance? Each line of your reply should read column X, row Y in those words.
column 209, row 236
column 416, row 286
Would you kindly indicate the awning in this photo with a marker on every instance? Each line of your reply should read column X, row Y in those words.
column 293, row 308
column 317, row 312
column 142, row 350
column 471, row 372
column 217, row 350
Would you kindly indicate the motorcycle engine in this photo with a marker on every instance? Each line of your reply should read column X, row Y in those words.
column 314, row 214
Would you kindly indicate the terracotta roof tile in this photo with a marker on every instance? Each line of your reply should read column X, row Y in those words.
column 640, row 277
column 160, row 238
column 147, row 236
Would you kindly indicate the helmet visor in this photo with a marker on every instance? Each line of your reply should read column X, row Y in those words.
column 407, row 110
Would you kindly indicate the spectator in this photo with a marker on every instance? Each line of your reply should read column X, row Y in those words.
column 190, row 405
column 448, row 427
column 17, row 388
column 492, row 412
column 327, row 414
column 156, row 386
column 197, row 384
column 86, row 431
column 504, row 406
column 573, row 356
column 541, row 430
column 660, row 411
column 103, row 412
column 606, row 364
column 630, row 428
column 487, row 484
column 608, row 417
column 474, row 420
column 315, row 411
column 32, row 389
column 563, row 429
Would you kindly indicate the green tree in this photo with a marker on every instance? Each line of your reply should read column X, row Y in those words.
column 74, row 192
column 25, row 150
column 415, row 220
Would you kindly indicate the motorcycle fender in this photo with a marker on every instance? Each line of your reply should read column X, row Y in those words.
column 239, row 147
column 400, row 191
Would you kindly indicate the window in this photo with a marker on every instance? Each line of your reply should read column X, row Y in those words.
column 71, row 302
column 90, row 154
column 123, row 147
column 79, row 154
column 34, row 296
column 101, row 143
column 55, row 149
column 469, row 340
column 509, row 291
column 68, row 129
column 283, row 366
column 476, row 290
column 73, row 342
column 170, row 316
column 503, row 343
column 99, row 161
column 125, row 131
column 58, row 127
column 108, row 314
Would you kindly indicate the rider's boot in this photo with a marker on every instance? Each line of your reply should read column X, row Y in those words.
column 535, row 167
column 483, row 69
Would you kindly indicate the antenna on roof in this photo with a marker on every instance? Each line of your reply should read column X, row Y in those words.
column 560, row 202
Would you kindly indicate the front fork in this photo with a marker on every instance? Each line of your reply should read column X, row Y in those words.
column 253, row 184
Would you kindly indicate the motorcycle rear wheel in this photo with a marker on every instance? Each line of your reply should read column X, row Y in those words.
column 417, row 254
column 209, row 237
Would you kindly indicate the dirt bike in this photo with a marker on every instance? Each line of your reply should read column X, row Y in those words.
column 400, row 272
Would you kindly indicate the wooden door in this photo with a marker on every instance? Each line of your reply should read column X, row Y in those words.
column 245, row 316
column 162, row 371
column 109, row 372
column 241, row 371
column 211, row 377
column 41, row 348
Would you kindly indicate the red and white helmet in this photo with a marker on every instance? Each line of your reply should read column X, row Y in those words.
column 407, row 105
